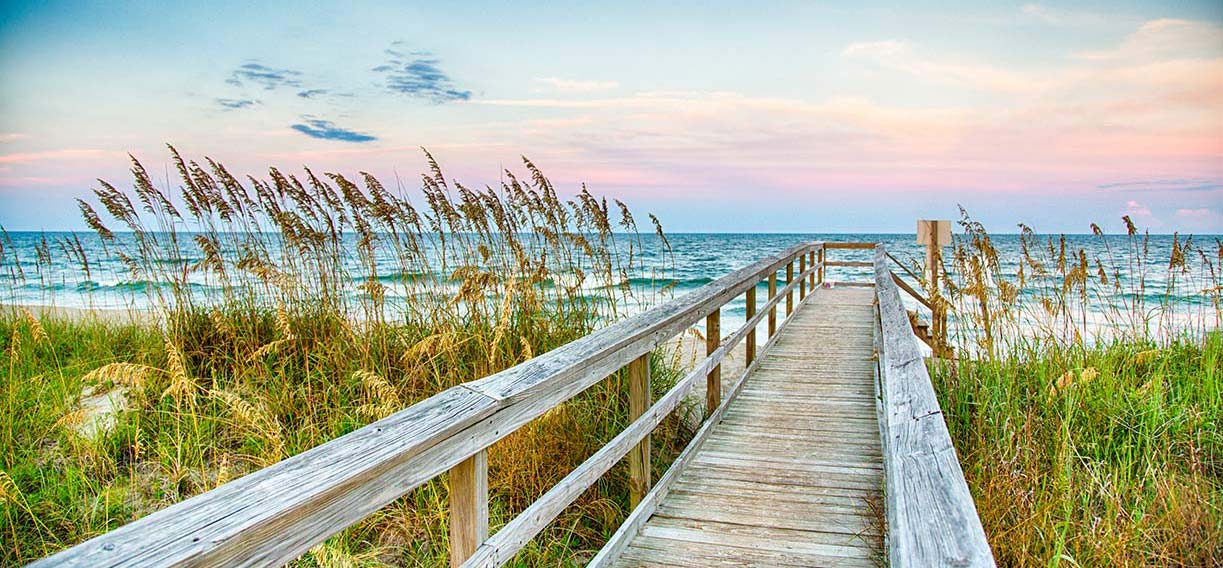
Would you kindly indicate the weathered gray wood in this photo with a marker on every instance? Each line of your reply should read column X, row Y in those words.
column 932, row 520
column 753, row 485
column 468, row 506
column 870, row 245
column 772, row 310
column 638, row 403
column 619, row 541
column 271, row 516
column 914, row 293
column 853, row 263
column 713, row 381
column 750, row 303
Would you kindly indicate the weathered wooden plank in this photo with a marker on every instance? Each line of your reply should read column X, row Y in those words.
column 849, row 245
column 750, row 303
column 757, row 538
column 932, row 520
column 271, row 516
column 853, row 263
column 619, row 541
column 639, row 401
column 468, row 506
column 687, row 553
column 713, row 381
column 772, row 310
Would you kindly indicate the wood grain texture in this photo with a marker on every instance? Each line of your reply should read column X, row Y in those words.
column 468, row 507
column 713, row 381
column 790, row 468
column 271, row 516
column 932, row 520
column 750, row 304
column 638, row 402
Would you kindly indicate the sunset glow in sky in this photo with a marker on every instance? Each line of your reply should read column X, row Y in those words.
column 795, row 116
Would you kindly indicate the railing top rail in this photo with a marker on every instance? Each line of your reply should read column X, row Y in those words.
column 932, row 520
column 273, row 515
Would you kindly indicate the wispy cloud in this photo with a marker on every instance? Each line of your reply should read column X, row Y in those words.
column 11, row 136
column 576, row 85
column 417, row 74
column 267, row 77
column 311, row 93
column 327, row 130
column 1065, row 17
column 1200, row 184
column 235, row 104
column 65, row 154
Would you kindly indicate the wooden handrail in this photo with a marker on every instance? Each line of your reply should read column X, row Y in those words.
column 931, row 518
column 502, row 547
column 273, row 515
column 916, row 296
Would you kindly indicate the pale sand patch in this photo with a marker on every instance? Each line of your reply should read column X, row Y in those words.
column 77, row 315
column 687, row 351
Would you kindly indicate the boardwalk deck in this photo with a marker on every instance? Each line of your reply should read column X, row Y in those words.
column 788, row 471
column 792, row 475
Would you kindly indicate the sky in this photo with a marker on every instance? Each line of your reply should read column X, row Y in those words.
column 718, row 117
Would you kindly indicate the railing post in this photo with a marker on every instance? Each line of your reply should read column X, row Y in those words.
column 638, row 402
column 790, row 292
column 821, row 270
column 751, row 312
column 811, row 261
column 713, row 381
column 772, row 310
column 468, row 507
column 802, row 284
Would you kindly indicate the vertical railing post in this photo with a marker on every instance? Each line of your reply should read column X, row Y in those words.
column 789, row 291
column 821, row 261
column 773, row 309
column 638, row 402
column 713, row 381
column 468, row 507
column 811, row 261
column 802, row 284
column 750, row 301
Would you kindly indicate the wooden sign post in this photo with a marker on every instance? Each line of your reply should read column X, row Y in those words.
column 935, row 235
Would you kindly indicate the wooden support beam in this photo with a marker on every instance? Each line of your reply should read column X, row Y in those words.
column 821, row 261
column 850, row 245
column 811, row 277
column 468, row 507
column 802, row 286
column 751, row 333
column 713, row 381
column 772, row 310
column 790, row 294
column 638, row 402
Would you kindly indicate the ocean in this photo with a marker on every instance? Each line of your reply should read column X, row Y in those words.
column 37, row 269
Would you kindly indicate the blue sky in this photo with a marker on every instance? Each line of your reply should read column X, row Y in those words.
column 793, row 116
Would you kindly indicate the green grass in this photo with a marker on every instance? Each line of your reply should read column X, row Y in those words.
column 290, row 346
column 67, row 488
column 1105, row 456
column 1088, row 446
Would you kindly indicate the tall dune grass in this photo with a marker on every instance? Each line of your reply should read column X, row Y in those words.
column 265, row 341
column 1086, row 402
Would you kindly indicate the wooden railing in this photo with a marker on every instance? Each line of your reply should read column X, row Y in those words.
column 933, row 333
column 273, row 515
column 931, row 518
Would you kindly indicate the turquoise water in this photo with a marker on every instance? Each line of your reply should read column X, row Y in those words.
column 692, row 261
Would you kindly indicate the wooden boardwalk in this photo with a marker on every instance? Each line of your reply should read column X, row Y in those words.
column 832, row 428
column 792, row 475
